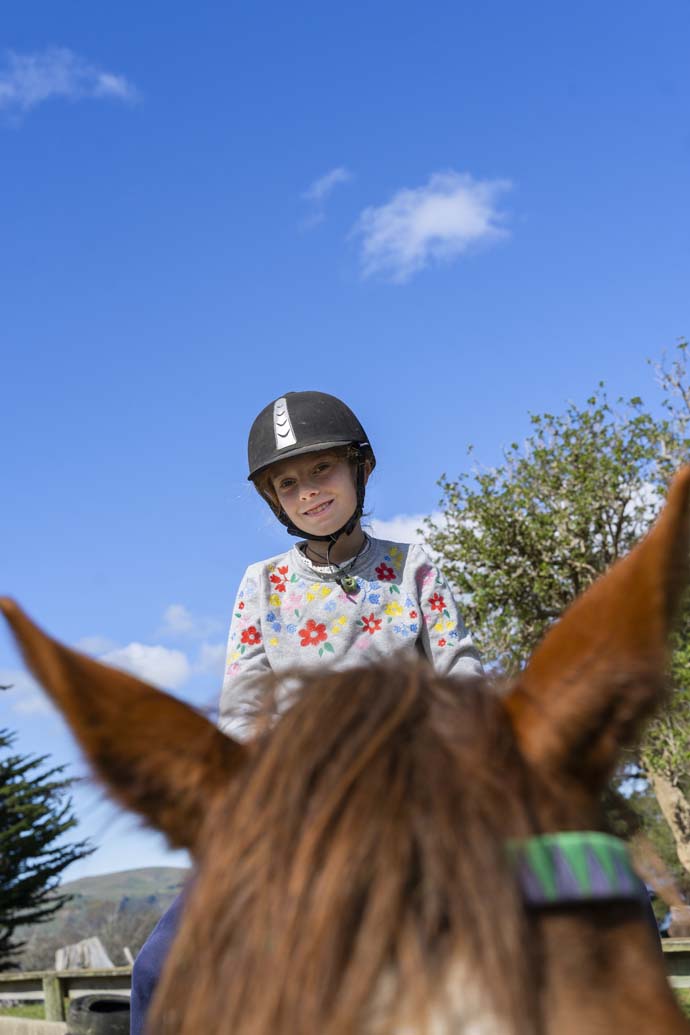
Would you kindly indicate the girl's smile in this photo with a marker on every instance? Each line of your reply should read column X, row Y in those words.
column 319, row 509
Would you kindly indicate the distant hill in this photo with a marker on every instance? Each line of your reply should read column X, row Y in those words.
column 161, row 883
column 121, row 908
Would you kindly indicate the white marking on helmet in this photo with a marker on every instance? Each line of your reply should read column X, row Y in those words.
column 282, row 425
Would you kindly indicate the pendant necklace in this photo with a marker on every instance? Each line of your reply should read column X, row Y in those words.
column 347, row 582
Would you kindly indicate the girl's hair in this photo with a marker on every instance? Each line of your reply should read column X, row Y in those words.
column 264, row 480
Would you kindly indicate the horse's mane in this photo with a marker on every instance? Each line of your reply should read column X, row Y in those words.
column 359, row 855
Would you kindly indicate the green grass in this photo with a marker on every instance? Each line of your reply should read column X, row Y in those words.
column 684, row 1000
column 32, row 1010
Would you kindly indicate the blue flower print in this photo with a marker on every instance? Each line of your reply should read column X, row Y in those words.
column 276, row 626
column 374, row 598
column 330, row 605
column 290, row 628
column 414, row 627
column 270, row 617
column 409, row 603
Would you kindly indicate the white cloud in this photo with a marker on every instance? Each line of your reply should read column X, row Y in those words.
column 318, row 192
column 433, row 223
column 179, row 621
column 212, row 659
column 159, row 665
column 27, row 80
column 25, row 696
column 400, row 529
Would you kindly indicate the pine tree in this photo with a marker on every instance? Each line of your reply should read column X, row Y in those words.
column 35, row 814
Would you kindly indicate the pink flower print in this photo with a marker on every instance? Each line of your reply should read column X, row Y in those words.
column 427, row 573
column 293, row 599
column 385, row 572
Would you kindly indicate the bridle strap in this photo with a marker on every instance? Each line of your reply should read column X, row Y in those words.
column 574, row 867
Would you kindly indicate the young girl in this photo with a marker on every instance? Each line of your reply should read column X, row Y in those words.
column 338, row 597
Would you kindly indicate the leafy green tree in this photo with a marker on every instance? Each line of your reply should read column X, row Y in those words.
column 35, row 814
column 521, row 540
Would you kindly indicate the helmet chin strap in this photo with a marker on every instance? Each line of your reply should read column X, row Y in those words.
column 333, row 537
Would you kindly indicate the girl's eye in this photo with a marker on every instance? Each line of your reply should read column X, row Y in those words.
column 322, row 467
column 286, row 484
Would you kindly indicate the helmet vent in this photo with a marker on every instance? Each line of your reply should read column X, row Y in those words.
column 282, row 425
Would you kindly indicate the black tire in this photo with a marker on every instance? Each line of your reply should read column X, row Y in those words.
column 98, row 1015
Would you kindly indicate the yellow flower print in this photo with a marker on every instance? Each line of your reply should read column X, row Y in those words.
column 312, row 591
column 439, row 627
column 274, row 600
column 326, row 591
column 339, row 624
column 449, row 625
column 395, row 555
column 393, row 609
column 235, row 655
column 273, row 642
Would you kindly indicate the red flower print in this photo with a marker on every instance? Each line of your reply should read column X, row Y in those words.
column 441, row 643
column 312, row 634
column 437, row 602
column 251, row 635
column 372, row 624
column 385, row 573
column 278, row 582
column 240, row 606
column 413, row 614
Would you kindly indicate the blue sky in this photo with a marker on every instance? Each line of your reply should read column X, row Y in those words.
column 449, row 214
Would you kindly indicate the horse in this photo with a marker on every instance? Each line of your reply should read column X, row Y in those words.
column 399, row 852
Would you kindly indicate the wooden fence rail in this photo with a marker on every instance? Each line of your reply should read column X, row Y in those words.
column 677, row 955
column 53, row 987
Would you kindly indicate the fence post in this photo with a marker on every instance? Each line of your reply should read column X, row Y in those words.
column 52, row 995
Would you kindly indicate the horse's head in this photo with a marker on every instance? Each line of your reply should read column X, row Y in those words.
column 369, row 864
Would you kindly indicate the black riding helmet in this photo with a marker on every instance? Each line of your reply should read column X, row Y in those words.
column 307, row 422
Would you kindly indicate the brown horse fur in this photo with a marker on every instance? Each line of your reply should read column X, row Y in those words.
column 352, row 875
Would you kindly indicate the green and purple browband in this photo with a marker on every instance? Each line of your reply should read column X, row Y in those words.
column 575, row 867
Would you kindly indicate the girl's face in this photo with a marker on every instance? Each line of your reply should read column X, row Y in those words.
column 316, row 491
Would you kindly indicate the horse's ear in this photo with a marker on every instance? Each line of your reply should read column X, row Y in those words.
column 155, row 754
column 600, row 670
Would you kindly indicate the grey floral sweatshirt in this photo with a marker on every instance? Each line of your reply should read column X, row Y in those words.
column 290, row 614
